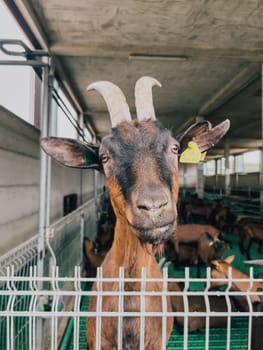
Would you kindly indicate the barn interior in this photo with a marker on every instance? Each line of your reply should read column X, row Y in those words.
column 206, row 54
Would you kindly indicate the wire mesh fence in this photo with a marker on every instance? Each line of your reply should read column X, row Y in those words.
column 63, row 246
column 50, row 311
column 23, row 303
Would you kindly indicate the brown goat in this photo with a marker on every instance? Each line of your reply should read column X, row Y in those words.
column 221, row 216
column 221, row 269
column 250, row 230
column 187, row 233
column 140, row 162
column 210, row 248
column 185, row 255
column 195, row 209
column 201, row 251
column 95, row 252
column 196, row 303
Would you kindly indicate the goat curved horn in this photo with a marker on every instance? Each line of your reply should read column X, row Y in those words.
column 115, row 101
column 144, row 98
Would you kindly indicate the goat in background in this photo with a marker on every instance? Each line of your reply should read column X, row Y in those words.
column 140, row 162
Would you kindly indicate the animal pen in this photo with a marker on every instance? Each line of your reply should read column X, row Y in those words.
column 50, row 311
column 44, row 297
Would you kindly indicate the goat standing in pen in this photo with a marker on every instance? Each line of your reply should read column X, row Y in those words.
column 140, row 162
column 221, row 270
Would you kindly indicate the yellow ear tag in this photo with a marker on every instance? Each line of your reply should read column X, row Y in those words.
column 191, row 154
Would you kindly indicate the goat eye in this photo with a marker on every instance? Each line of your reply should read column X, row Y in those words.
column 175, row 149
column 104, row 158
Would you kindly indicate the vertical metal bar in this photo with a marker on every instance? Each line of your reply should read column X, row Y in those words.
column 261, row 165
column 12, row 306
column 120, row 306
column 186, row 307
column 30, row 308
column 164, row 306
column 77, row 302
column 44, row 173
column 228, row 303
column 250, row 307
column 82, row 231
column 227, row 170
column 230, row 284
column 44, row 185
column 54, row 308
column 208, row 309
column 34, row 306
column 200, row 181
column 95, row 174
column 8, row 308
column 99, row 282
column 142, row 307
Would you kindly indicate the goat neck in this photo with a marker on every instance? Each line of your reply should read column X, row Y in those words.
column 129, row 252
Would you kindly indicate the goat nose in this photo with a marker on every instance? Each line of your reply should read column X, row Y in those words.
column 152, row 207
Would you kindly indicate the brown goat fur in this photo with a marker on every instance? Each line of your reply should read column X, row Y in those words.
column 140, row 162
column 196, row 303
column 249, row 230
column 95, row 252
column 197, row 252
column 186, row 233
column 195, row 209
column 221, row 270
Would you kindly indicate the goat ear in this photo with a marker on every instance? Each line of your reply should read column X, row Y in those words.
column 203, row 135
column 72, row 153
column 229, row 259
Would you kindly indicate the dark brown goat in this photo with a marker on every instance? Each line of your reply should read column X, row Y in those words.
column 187, row 233
column 210, row 248
column 203, row 250
column 95, row 252
column 140, row 162
column 184, row 255
column 249, row 230
column 195, row 209
column 196, row 303
column 221, row 270
column 221, row 216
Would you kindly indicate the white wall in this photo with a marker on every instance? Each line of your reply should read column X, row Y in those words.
column 19, row 182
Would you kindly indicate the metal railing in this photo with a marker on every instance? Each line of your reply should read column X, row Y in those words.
column 49, row 304
column 63, row 246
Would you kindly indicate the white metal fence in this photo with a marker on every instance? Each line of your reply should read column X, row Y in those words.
column 49, row 311
column 63, row 246
column 23, row 302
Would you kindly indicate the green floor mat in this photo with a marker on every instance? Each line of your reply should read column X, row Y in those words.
column 197, row 341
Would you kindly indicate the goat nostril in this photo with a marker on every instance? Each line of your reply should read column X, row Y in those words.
column 152, row 207
column 143, row 207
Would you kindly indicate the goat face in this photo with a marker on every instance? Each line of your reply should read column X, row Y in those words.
column 140, row 164
column 139, row 159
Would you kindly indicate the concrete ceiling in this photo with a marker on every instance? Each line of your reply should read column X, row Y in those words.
column 206, row 53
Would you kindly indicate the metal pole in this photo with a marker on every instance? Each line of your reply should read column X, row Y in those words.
column 261, row 165
column 44, row 197
column 227, row 170
column 200, row 182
